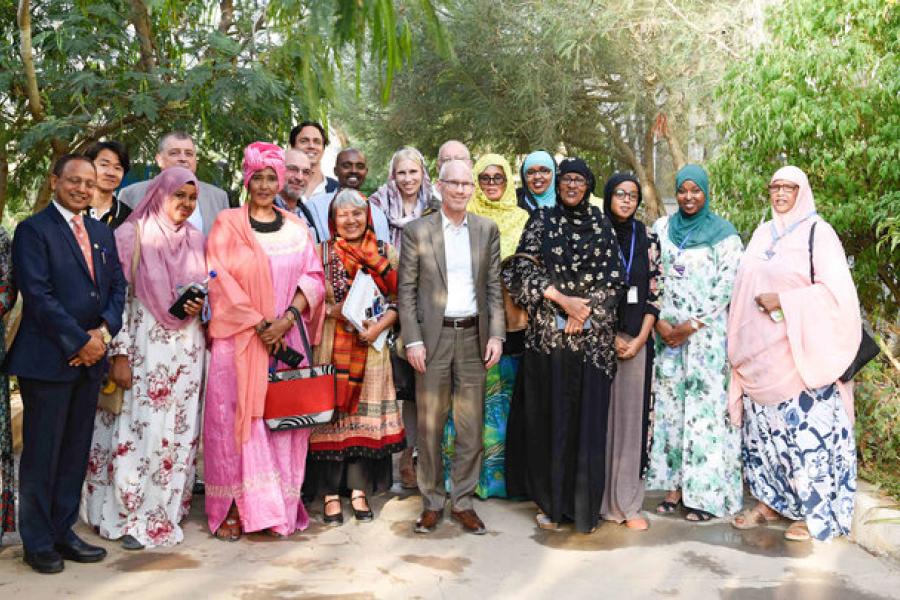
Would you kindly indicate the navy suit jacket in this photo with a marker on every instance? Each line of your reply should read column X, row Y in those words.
column 60, row 300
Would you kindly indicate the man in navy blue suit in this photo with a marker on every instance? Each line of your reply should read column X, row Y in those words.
column 73, row 290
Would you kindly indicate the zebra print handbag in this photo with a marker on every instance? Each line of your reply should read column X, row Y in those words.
column 300, row 397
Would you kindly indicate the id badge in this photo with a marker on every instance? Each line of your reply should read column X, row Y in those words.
column 632, row 296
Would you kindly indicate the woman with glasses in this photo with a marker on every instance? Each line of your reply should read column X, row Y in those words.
column 793, row 327
column 538, row 174
column 629, row 404
column 695, row 454
column 568, row 275
column 495, row 198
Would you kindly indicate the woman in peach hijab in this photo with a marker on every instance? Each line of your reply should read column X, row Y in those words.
column 269, row 282
column 793, row 329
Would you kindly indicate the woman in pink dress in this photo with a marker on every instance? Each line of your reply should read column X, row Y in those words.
column 269, row 282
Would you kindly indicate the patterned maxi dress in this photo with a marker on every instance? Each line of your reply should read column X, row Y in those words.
column 142, row 461
column 694, row 447
column 7, row 474
column 265, row 476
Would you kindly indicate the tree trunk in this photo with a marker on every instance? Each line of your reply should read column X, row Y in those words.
column 4, row 177
column 43, row 197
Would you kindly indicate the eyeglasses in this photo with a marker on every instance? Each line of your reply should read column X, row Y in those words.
column 790, row 188
column 694, row 193
column 622, row 194
column 459, row 185
column 535, row 171
column 485, row 179
column 573, row 181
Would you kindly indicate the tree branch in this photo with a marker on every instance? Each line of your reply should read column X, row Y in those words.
column 661, row 127
column 140, row 18
column 691, row 25
column 648, row 187
column 226, row 8
column 95, row 134
column 23, row 18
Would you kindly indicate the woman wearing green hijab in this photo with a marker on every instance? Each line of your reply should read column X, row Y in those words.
column 696, row 453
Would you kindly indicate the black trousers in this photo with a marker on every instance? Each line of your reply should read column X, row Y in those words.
column 58, row 423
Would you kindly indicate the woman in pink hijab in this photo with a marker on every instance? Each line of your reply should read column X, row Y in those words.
column 793, row 329
column 269, row 283
column 141, row 466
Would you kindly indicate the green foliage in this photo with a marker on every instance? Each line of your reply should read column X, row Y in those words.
column 229, row 71
column 824, row 95
column 877, row 402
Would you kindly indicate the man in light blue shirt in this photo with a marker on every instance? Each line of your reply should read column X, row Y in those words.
column 351, row 170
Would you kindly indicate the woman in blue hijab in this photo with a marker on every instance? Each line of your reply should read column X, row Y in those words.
column 538, row 176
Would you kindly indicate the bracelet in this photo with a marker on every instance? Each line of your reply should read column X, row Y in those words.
column 295, row 312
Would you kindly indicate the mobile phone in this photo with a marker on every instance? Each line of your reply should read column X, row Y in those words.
column 288, row 356
column 193, row 292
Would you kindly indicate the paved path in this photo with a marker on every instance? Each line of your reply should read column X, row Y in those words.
column 385, row 559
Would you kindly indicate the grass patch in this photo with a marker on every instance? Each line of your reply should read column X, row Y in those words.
column 877, row 401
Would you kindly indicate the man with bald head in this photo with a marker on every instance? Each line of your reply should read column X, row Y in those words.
column 292, row 197
column 451, row 150
column 452, row 320
column 351, row 169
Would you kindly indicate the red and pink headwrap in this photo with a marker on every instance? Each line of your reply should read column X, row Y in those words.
column 258, row 156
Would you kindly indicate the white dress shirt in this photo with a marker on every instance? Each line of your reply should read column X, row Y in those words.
column 460, row 279
column 66, row 214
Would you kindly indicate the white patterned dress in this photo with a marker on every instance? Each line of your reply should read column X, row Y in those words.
column 142, row 462
column 694, row 447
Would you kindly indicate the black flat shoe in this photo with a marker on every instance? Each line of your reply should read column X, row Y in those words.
column 129, row 542
column 77, row 550
column 47, row 562
column 362, row 515
column 335, row 519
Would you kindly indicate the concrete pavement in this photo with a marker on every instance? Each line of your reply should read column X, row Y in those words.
column 385, row 559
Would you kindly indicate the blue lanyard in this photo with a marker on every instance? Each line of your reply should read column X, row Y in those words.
column 776, row 237
column 630, row 255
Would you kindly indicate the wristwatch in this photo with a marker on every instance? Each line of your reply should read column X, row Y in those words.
column 105, row 335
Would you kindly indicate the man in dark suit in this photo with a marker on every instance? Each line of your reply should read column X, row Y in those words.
column 177, row 149
column 73, row 292
column 452, row 320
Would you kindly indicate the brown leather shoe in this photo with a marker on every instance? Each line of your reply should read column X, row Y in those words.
column 469, row 520
column 428, row 521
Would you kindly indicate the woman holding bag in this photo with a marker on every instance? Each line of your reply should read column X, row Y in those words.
column 269, row 282
column 793, row 328
column 353, row 453
column 142, row 461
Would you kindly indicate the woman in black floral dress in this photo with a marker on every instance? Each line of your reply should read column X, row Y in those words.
column 568, row 275
column 7, row 477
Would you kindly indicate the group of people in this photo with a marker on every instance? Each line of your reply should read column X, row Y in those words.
column 542, row 343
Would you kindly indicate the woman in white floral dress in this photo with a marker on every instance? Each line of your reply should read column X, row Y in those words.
column 142, row 461
column 696, row 453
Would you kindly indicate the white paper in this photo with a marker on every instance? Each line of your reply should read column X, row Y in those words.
column 363, row 296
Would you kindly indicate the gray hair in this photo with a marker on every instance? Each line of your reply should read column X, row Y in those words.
column 345, row 198
column 173, row 135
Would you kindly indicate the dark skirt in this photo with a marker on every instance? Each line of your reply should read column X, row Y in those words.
column 556, row 436
column 327, row 477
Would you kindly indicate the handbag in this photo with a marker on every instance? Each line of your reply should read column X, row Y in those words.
column 868, row 348
column 111, row 395
column 301, row 397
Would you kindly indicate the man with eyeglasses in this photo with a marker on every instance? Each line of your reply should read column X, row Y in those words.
column 452, row 320
column 67, row 268
column 291, row 198
column 177, row 148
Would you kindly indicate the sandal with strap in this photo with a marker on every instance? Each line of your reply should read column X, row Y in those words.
column 335, row 519
column 798, row 532
column 230, row 529
column 752, row 518
column 695, row 515
column 545, row 522
column 666, row 507
column 365, row 515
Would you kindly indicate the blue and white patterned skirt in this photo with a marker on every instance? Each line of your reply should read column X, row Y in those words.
column 800, row 459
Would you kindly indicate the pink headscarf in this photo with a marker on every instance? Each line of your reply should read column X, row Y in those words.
column 171, row 255
column 820, row 334
column 258, row 156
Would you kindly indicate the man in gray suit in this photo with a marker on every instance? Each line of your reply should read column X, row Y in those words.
column 176, row 148
column 452, row 320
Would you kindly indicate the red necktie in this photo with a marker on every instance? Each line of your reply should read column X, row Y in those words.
column 83, row 242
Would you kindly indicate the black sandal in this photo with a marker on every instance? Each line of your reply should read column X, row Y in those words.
column 665, row 507
column 695, row 515
column 335, row 519
column 362, row 515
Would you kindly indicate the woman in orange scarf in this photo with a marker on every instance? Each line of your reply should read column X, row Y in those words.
column 353, row 453
column 269, row 279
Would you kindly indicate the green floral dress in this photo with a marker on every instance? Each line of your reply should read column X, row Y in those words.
column 694, row 447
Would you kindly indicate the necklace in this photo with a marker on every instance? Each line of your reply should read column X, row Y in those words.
column 267, row 226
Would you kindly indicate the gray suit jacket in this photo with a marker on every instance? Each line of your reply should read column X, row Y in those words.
column 211, row 200
column 422, row 292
